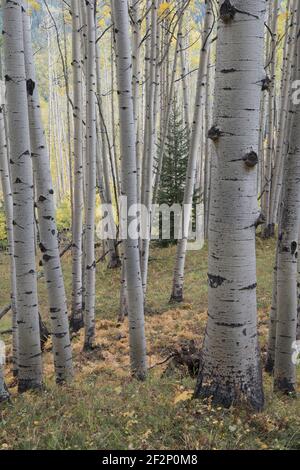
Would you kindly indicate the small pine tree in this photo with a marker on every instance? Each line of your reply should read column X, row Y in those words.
column 174, row 167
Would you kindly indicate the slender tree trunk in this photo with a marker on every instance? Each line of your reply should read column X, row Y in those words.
column 149, row 154
column 114, row 260
column 129, row 189
column 286, row 327
column 48, row 234
column 267, row 228
column 284, row 118
column 90, row 262
column 76, row 321
column 178, row 280
column 230, row 368
column 8, row 204
column 29, row 354
column 4, row 395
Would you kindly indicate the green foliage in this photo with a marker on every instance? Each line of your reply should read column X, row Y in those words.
column 3, row 231
column 174, row 167
column 63, row 215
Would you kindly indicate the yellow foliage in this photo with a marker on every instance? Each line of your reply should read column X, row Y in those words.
column 164, row 8
column 34, row 5
column 183, row 396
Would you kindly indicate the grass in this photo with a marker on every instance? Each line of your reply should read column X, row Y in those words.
column 105, row 409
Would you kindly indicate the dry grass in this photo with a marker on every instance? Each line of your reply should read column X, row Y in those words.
column 105, row 409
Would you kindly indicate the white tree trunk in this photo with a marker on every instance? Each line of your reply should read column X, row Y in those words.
column 8, row 204
column 90, row 262
column 178, row 280
column 147, row 176
column 4, row 395
column 230, row 369
column 286, row 325
column 62, row 350
column 129, row 189
column 76, row 315
column 29, row 354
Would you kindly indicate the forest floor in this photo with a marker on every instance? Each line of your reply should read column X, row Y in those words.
column 105, row 409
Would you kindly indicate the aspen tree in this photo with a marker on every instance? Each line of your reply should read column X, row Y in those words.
column 230, row 369
column 29, row 353
column 129, row 189
column 287, row 253
column 76, row 316
column 8, row 205
column 48, row 233
column 90, row 261
column 178, row 280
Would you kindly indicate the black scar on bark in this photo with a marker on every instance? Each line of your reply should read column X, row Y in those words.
column 251, row 159
column 43, row 248
column 214, row 133
column 227, row 11
column 266, row 82
column 177, row 295
column 76, row 322
column 223, row 392
column 294, row 246
column 30, row 84
column 24, row 385
column 47, row 258
column 260, row 220
column 284, row 385
column 215, row 281
column 251, row 287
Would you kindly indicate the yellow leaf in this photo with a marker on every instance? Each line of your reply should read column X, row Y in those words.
column 129, row 414
column 164, row 7
column 184, row 396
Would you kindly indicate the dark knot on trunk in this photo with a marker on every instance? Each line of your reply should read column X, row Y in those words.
column 214, row 133
column 30, row 84
column 260, row 220
column 266, row 82
column 227, row 11
column 251, row 159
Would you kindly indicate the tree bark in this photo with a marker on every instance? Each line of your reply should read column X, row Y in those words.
column 286, row 325
column 129, row 189
column 90, row 262
column 230, row 369
column 29, row 354
column 178, row 280
column 76, row 321
column 48, row 234
column 8, row 204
